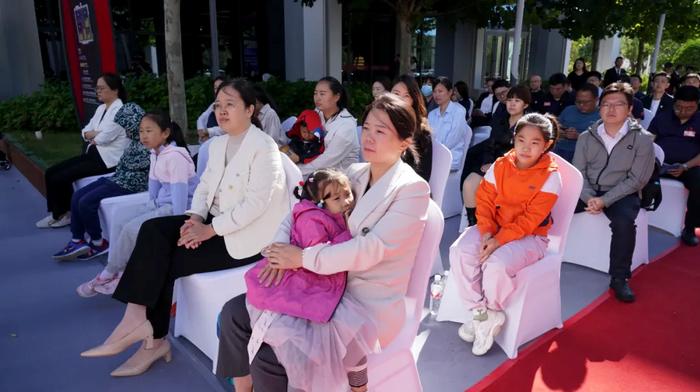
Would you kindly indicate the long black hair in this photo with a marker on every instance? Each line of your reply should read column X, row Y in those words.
column 337, row 89
column 264, row 98
column 248, row 95
column 163, row 121
column 114, row 82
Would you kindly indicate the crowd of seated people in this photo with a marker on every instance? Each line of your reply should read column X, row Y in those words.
column 359, row 220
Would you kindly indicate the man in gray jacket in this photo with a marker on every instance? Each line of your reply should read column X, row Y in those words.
column 616, row 157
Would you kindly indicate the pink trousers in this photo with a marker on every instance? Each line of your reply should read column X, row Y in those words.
column 489, row 284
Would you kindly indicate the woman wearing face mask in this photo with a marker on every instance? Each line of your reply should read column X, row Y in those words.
column 427, row 91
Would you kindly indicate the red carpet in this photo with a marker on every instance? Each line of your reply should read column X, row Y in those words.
column 651, row 345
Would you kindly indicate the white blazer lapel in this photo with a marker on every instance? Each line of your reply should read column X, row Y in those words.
column 374, row 197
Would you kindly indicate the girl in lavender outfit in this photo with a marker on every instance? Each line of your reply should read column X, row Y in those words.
column 294, row 317
column 171, row 183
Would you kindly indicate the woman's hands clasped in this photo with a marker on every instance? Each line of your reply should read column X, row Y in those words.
column 193, row 232
column 281, row 257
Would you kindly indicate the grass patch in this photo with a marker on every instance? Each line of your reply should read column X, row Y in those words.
column 52, row 149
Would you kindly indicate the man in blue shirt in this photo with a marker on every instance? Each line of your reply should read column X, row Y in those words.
column 575, row 120
column 678, row 134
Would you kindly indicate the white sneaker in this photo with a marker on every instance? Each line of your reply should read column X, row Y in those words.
column 485, row 332
column 46, row 222
column 466, row 332
column 63, row 221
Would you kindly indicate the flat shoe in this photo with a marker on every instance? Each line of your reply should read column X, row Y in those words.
column 134, row 367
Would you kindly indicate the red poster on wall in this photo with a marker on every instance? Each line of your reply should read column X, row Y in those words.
column 89, row 44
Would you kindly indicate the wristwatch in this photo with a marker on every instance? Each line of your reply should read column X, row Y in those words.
column 685, row 167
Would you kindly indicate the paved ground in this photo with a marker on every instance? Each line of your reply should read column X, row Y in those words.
column 44, row 325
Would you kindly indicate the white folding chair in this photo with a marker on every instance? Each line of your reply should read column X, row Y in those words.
column 442, row 159
column 287, row 124
column 535, row 306
column 200, row 297
column 452, row 203
column 659, row 153
column 394, row 369
column 480, row 134
column 111, row 206
column 670, row 216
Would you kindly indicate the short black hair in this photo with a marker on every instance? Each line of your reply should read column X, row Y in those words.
column 636, row 76
column 557, row 78
column 661, row 73
column 591, row 88
column 668, row 64
column 443, row 80
column 687, row 94
column 618, row 87
column 498, row 83
column 596, row 74
column 619, row 58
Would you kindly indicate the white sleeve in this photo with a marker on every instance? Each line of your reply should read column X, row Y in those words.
column 454, row 140
column 108, row 129
column 337, row 148
column 92, row 124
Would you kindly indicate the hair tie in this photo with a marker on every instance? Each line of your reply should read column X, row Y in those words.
column 301, row 183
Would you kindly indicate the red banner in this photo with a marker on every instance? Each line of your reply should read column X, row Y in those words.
column 89, row 46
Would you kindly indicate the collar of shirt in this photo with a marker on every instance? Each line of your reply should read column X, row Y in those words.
column 610, row 141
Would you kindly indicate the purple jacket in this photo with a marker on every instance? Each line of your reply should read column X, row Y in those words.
column 303, row 293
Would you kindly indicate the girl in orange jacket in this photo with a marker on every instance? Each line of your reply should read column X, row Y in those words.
column 513, row 208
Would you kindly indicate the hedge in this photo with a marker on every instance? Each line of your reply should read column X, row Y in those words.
column 51, row 108
column 688, row 53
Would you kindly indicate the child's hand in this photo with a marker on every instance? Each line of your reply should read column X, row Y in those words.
column 487, row 248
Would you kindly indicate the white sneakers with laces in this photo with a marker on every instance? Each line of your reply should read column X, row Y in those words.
column 482, row 330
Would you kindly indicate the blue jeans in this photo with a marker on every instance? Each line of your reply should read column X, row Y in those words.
column 85, row 204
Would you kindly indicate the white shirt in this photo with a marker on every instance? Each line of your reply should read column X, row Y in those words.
column 654, row 106
column 270, row 122
column 111, row 138
column 487, row 104
column 450, row 128
column 610, row 141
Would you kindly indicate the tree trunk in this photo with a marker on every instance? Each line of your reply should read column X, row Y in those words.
column 404, row 43
column 173, row 62
column 640, row 58
column 594, row 53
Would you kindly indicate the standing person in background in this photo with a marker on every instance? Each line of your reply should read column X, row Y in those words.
column 576, row 119
column 448, row 122
column 420, row 158
column 658, row 101
column 615, row 73
column 488, row 92
column 577, row 77
column 341, row 147
column 106, row 143
column 536, row 92
column 675, row 78
column 381, row 85
column 557, row 98
column 691, row 79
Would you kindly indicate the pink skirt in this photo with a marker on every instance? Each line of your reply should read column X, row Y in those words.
column 316, row 356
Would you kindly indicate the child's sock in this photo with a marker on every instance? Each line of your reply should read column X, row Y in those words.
column 98, row 242
column 480, row 314
column 357, row 376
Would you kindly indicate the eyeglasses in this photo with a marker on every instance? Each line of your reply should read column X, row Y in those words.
column 684, row 109
column 617, row 105
column 101, row 88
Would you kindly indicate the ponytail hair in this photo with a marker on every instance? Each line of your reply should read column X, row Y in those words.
column 316, row 186
column 163, row 121
column 546, row 123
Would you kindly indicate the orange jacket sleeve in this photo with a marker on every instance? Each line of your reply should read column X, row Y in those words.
column 486, row 208
column 536, row 211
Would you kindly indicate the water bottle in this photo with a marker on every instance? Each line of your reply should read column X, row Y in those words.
column 436, row 290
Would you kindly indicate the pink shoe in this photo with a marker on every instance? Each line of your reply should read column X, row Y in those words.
column 89, row 288
column 108, row 287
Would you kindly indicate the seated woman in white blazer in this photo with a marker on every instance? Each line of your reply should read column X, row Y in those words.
column 236, row 209
column 386, row 224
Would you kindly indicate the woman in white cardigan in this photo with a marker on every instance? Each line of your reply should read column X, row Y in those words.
column 107, row 141
column 237, row 206
column 386, row 223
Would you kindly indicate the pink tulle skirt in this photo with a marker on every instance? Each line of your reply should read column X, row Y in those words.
column 316, row 356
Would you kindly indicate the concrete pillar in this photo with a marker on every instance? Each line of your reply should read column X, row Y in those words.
column 456, row 51
column 319, row 51
column 20, row 54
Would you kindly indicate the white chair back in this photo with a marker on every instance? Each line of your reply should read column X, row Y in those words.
column 442, row 159
column 648, row 116
column 293, row 176
column 659, row 153
column 287, row 124
column 563, row 210
column 480, row 134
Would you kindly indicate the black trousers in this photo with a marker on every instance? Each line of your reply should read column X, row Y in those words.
column 622, row 214
column 59, row 179
column 157, row 262
column 268, row 374
column 691, row 180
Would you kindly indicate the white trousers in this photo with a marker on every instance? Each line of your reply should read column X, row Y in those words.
column 489, row 284
column 125, row 228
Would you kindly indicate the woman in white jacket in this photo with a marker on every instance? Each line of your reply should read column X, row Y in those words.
column 341, row 146
column 386, row 224
column 107, row 141
column 237, row 206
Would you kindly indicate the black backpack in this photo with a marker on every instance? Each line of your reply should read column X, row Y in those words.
column 651, row 193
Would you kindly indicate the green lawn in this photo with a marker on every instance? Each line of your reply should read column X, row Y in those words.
column 53, row 148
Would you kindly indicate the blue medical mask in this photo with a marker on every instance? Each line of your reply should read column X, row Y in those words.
column 426, row 90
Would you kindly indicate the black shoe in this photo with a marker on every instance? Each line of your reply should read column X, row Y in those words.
column 622, row 290
column 688, row 237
